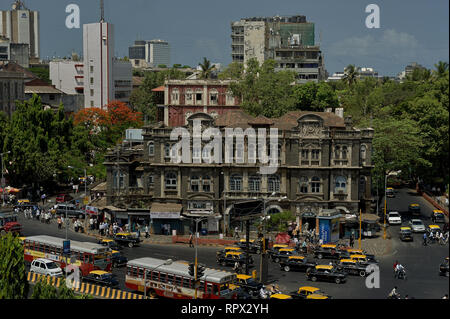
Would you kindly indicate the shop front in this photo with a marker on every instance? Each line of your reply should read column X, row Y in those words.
column 138, row 218
column 166, row 217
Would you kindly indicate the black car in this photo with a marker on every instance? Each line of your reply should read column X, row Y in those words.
column 110, row 243
column 223, row 252
column 255, row 246
column 117, row 259
column 326, row 273
column 297, row 263
column 101, row 278
column 126, row 239
column 351, row 267
column 443, row 268
column 230, row 258
column 282, row 254
column 329, row 251
column 248, row 284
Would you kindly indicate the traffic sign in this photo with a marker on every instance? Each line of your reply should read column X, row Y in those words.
column 66, row 247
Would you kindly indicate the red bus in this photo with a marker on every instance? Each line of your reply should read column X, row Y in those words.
column 173, row 281
column 88, row 256
column 8, row 223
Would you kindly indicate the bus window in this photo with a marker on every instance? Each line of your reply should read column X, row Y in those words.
column 170, row 279
column 202, row 286
column 41, row 247
column 209, row 288
column 162, row 277
column 128, row 271
column 178, row 281
column 186, row 283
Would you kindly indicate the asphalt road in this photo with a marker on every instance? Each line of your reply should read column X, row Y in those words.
column 421, row 262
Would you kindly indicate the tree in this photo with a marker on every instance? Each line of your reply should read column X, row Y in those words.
column 350, row 75
column 441, row 69
column 234, row 71
column 313, row 96
column 206, row 69
column 279, row 221
column 43, row 290
column 13, row 275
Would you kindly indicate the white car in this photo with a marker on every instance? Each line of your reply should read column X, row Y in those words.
column 417, row 226
column 394, row 218
column 46, row 267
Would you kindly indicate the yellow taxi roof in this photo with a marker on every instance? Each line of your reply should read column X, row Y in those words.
column 316, row 296
column 242, row 276
column 232, row 248
column 324, row 267
column 114, row 251
column 99, row 272
column 328, row 246
column 280, row 296
column 389, row 188
column 287, row 249
column 123, row 234
column 437, row 211
column 234, row 253
column 348, row 260
column 22, row 238
column 434, row 226
column 23, row 201
column 414, row 205
column 405, row 228
column 107, row 240
column 296, row 257
column 357, row 256
column 280, row 245
column 308, row 288
column 244, row 240
column 352, row 250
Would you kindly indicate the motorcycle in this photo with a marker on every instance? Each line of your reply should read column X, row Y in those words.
column 401, row 274
column 396, row 296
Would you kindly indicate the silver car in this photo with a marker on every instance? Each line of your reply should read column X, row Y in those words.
column 417, row 226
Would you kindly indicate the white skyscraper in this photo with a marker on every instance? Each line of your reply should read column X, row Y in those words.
column 21, row 25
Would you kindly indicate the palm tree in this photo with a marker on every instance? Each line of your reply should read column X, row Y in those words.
column 207, row 69
column 441, row 69
column 350, row 75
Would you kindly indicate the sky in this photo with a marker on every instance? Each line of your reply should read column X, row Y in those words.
column 410, row 30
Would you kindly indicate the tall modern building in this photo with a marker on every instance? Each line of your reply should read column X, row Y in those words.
column 21, row 25
column 149, row 53
column 105, row 77
column 290, row 41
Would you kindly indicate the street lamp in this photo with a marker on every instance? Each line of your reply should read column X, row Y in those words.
column 385, row 197
column 3, row 180
column 166, row 263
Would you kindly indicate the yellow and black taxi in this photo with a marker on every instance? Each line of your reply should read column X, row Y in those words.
column 329, row 251
column 405, row 233
column 317, row 297
column 297, row 263
column 390, row 192
column 101, row 278
column 231, row 249
column 230, row 258
column 127, row 239
column 433, row 229
column 364, row 259
column 305, row 291
column 326, row 273
column 280, row 296
column 117, row 259
column 282, row 254
column 352, row 267
column 254, row 246
column 275, row 248
column 248, row 284
column 443, row 268
column 438, row 216
column 414, row 209
column 109, row 243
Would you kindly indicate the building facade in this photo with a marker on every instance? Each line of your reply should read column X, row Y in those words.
column 21, row 25
column 67, row 76
column 11, row 90
column 324, row 163
column 287, row 40
column 149, row 53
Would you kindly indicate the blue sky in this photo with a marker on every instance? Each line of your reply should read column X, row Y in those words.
column 411, row 30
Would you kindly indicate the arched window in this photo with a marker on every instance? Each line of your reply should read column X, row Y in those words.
column 303, row 184
column 363, row 152
column 235, row 182
column 189, row 97
column 254, row 183
column 341, row 184
column 239, row 153
column 195, row 181
column 151, row 148
column 175, row 96
column 213, row 97
column 229, row 98
column 171, row 180
column 167, row 150
column 251, row 153
column 315, row 185
column 206, row 181
column 273, row 183
column 337, row 152
column 344, row 152
column 118, row 179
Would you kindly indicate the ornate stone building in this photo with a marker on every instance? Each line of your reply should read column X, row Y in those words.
column 324, row 162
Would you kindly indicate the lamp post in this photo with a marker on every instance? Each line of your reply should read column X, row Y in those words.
column 166, row 263
column 385, row 197
column 3, row 180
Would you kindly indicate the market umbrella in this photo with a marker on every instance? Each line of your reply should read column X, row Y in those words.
column 282, row 238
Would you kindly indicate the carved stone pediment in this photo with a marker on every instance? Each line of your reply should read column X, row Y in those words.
column 310, row 125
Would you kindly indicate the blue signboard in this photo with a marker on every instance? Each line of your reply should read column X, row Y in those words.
column 324, row 230
column 66, row 247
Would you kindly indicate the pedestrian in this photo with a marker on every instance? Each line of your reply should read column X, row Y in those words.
column 62, row 220
column 91, row 223
column 441, row 238
column 320, row 241
column 352, row 240
column 424, row 239
column 236, row 232
column 147, row 235
column 138, row 232
column 191, row 238
column 43, row 198
column 59, row 222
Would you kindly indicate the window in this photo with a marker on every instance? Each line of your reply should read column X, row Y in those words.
column 251, row 153
column 92, row 68
column 51, row 97
column 92, row 92
column 315, row 154
column 363, row 152
column 229, row 98
column 151, row 148
column 337, row 152
column 175, row 96
column 206, row 183
column 197, row 153
column 273, row 183
column 167, row 150
column 315, row 185
column 341, row 184
column 254, row 183
column 198, row 98
column 239, row 153
column 151, row 179
column 92, row 103
column 236, row 182
column 344, row 152
column 171, row 180
column 195, row 181
column 213, row 98
column 303, row 184
column 92, row 80
column 118, row 179
column 305, row 154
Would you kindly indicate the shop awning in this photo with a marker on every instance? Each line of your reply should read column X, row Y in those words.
column 138, row 212
column 165, row 211
column 371, row 217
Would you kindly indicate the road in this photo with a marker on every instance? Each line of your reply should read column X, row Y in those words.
column 421, row 262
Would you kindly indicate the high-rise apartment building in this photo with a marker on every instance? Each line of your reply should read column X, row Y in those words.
column 149, row 53
column 105, row 77
column 290, row 41
column 21, row 25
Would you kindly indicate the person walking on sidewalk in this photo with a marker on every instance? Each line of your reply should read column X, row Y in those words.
column 191, row 238
column 352, row 240
column 424, row 239
column 59, row 222
column 236, row 232
column 147, row 235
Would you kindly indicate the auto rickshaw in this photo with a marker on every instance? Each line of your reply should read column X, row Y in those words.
column 438, row 216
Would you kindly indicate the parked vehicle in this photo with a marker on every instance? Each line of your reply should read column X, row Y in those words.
column 46, row 267
column 326, row 273
column 364, row 259
column 329, row 251
column 127, row 239
column 61, row 198
column 71, row 210
column 282, row 254
column 275, row 248
column 254, row 245
column 438, row 216
column 248, row 284
column 230, row 258
column 390, row 192
column 117, row 259
column 352, row 267
column 8, row 223
column 297, row 263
